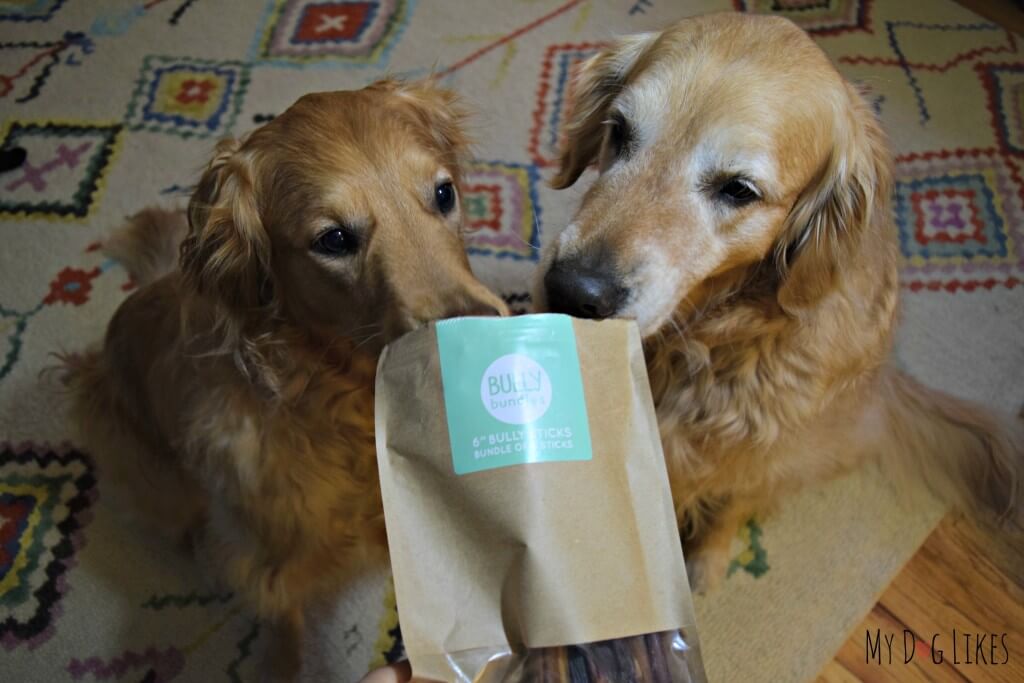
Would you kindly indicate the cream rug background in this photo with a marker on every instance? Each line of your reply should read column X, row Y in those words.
column 119, row 105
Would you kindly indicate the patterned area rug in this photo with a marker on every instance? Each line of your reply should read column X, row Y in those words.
column 119, row 104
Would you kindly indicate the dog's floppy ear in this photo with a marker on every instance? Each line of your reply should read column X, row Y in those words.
column 849, row 198
column 439, row 112
column 226, row 254
column 596, row 84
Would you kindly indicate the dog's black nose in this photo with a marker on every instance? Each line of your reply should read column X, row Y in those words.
column 581, row 291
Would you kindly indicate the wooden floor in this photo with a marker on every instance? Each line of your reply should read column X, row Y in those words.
column 1007, row 13
column 961, row 579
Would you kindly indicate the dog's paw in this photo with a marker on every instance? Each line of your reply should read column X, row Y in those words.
column 706, row 570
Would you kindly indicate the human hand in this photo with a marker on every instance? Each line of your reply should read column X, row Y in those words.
column 393, row 673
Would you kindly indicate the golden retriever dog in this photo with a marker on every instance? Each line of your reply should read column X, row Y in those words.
column 234, row 395
column 741, row 216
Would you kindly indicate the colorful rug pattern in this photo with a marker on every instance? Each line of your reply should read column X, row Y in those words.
column 118, row 104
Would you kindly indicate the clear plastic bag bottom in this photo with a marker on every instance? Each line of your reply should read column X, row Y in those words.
column 664, row 657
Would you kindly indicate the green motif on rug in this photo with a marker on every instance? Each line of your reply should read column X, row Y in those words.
column 753, row 559
column 476, row 207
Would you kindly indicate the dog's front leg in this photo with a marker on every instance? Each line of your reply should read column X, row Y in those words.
column 707, row 554
column 285, row 651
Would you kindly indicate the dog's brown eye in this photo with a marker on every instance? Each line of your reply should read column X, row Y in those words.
column 738, row 191
column 337, row 241
column 444, row 197
column 618, row 134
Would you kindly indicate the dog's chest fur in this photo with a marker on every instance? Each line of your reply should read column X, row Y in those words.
column 740, row 386
column 298, row 471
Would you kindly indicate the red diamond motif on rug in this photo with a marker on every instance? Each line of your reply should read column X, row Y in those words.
column 332, row 22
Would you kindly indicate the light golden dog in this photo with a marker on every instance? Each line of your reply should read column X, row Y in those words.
column 742, row 216
column 234, row 395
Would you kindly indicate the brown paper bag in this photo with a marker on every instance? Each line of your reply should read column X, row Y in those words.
column 494, row 568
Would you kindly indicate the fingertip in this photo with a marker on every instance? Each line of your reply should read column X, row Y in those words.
column 399, row 672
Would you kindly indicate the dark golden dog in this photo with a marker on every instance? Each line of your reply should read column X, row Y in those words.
column 234, row 395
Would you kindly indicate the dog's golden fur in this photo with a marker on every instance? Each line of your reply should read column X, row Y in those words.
column 768, row 323
column 233, row 393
